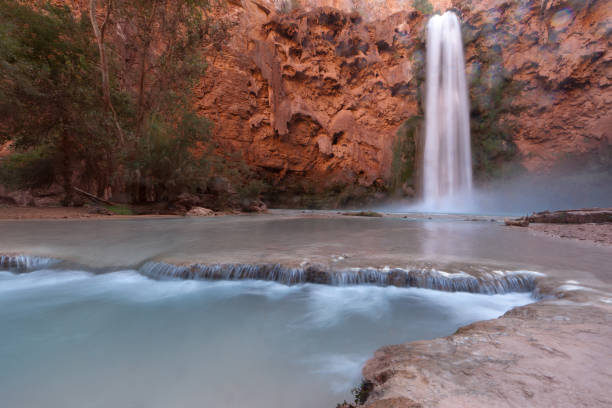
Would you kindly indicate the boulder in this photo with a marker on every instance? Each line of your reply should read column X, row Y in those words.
column 200, row 212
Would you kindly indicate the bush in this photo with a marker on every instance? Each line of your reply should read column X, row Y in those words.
column 491, row 93
column 165, row 159
column 423, row 6
column 30, row 169
column 362, row 392
column 120, row 210
column 403, row 166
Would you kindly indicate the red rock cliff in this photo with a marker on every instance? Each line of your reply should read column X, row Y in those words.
column 560, row 53
column 316, row 94
column 319, row 93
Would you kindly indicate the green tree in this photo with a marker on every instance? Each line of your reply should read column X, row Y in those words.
column 49, row 101
column 106, row 98
column 158, row 59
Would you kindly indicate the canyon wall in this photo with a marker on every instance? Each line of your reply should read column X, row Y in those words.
column 314, row 93
column 558, row 53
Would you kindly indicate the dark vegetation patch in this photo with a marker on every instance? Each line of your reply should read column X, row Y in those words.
column 363, row 214
column 492, row 91
column 360, row 393
column 404, row 162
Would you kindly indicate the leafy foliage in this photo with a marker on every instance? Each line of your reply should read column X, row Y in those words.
column 362, row 392
column 403, row 166
column 48, row 87
column 30, row 169
column 491, row 94
column 120, row 210
column 53, row 110
column 424, row 6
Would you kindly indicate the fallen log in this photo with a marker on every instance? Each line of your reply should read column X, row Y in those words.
column 93, row 197
column 517, row 222
column 581, row 216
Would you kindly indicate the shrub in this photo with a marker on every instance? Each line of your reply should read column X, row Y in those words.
column 29, row 169
column 120, row 210
column 403, row 165
column 423, row 6
column 362, row 392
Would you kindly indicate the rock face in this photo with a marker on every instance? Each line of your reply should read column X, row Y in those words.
column 558, row 53
column 313, row 92
column 313, row 95
column 316, row 94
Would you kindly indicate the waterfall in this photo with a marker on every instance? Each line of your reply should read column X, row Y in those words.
column 447, row 163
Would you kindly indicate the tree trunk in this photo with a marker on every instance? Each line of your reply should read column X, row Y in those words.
column 106, row 92
column 148, row 38
column 66, row 171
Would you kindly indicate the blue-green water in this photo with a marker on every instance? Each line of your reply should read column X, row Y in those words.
column 75, row 339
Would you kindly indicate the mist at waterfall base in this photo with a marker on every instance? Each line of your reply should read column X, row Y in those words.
column 557, row 190
column 119, row 339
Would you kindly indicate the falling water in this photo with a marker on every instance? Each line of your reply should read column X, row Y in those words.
column 447, row 165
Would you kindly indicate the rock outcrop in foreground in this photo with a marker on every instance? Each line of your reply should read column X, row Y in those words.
column 554, row 353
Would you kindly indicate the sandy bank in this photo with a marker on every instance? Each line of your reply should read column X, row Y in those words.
column 76, row 213
column 57, row 213
column 600, row 234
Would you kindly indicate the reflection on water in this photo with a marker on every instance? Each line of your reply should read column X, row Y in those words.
column 74, row 339
column 291, row 240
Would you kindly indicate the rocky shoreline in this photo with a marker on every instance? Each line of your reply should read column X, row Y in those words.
column 587, row 224
column 599, row 234
column 554, row 353
column 94, row 212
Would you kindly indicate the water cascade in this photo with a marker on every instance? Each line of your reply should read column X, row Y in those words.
column 447, row 164
column 481, row 279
